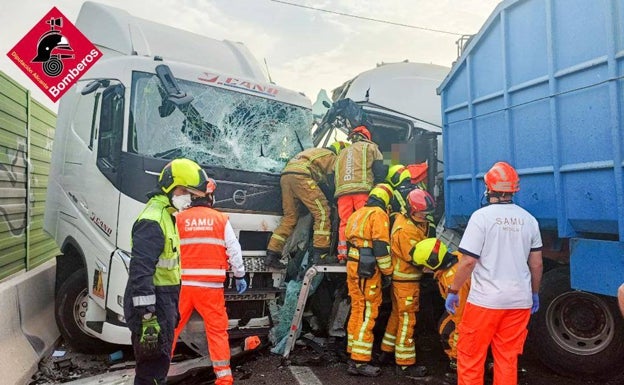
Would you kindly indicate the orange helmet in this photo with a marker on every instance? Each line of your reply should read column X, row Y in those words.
column 420, row 201
column 211, row 186
column 502, row 178
column 359, row 130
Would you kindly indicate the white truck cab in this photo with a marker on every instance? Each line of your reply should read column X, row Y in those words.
column 159, row 93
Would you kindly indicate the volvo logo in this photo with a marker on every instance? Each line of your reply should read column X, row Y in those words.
column 239, row 197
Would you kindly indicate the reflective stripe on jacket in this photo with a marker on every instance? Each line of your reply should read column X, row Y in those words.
column 354, row 168
column 167, row 271
column 405, row 234
column 315, row 162
column 202, row 244
column 368, row 224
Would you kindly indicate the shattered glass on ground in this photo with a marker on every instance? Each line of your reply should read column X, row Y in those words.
column 220, row 128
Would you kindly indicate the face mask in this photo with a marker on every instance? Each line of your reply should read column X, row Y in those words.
column 181, row 202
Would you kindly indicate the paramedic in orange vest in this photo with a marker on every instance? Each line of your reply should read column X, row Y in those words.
column 300, row 183
column 369, row 258
column 358, row 168
column 502, row 250
column 399, row 335
column 207, row 245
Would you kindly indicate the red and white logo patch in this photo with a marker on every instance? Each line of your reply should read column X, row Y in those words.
column 54, row 54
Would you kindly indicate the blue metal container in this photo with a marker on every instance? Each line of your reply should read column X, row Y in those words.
column 541, row 87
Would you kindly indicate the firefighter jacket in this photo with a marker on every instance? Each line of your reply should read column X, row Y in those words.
column 405, row 234
column 368, row 227
column 206, row 241
column 155, row 258
column 446, row 277
column 317, row 163
column 358, row 168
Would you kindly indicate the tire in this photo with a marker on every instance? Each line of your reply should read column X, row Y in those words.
column 576, row 333
column 70, row 310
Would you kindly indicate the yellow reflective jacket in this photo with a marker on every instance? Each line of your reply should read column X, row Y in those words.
column 314, row 162
column 354, row 168
column 405, row 234
column 368, row 224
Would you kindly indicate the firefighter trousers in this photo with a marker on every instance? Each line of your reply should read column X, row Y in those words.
column 504, row 329
column 347, row 204
column 210, row 304
column 296, row 190
column 399, row 334
column 365, row 296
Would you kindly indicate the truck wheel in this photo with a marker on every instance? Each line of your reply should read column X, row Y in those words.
column 576, row 333
column 70, row 311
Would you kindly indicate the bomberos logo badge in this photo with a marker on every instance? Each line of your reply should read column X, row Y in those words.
column 54, row 54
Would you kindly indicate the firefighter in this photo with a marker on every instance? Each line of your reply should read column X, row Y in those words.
column 208, row 245
column 369, row 258
column 300, row 185
column 401, row 179
column 399, row 335
column 358, row 169
column 153, row 287
column 433, row 255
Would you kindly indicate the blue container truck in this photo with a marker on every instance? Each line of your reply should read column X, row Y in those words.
column 542, row 87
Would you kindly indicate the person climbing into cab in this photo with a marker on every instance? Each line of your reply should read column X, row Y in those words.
column 357, row 170
column 369, row 259
column 300, row 182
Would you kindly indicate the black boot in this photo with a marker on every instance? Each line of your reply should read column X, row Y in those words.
column 412, row 371
column 362, row 369
column 272, row 260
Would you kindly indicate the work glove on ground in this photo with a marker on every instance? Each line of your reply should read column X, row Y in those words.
column 452, row 301
column 535, row 306
column 148, row 342
column 241, row 285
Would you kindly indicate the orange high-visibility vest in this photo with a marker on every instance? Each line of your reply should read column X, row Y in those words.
column 202, row 244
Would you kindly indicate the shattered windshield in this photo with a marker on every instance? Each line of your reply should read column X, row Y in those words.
column 220, row 128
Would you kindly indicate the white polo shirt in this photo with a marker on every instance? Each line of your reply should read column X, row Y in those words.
column 501, row 236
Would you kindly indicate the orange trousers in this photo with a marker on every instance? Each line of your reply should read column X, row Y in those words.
column 210, row 304
column 399, row 334
column 347, row 204
column 296, row 190
column 365, row 301
column 504, row 329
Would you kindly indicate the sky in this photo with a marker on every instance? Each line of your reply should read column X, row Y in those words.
column 306, row 50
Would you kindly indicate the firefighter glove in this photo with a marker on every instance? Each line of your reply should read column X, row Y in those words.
column 386, row 281
column 452, row 301
column 241, row 285
column 150, row 330
column 535, row 306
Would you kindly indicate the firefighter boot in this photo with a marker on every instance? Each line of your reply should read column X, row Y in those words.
column 272, row 260
column 363, row 369
column 411, row 371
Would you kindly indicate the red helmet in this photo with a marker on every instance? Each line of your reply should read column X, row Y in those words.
column 420, row 201
column 360, row 130
column 211, row 186
column 502, row 178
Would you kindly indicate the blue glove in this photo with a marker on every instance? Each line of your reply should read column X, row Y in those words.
column 452, row 301
column 535, row 306
column 241, row 285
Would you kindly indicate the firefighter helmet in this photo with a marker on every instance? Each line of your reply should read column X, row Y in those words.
column 503, row 178
column 338, row 146
column 397, row 174
column 420, row 201
column 432, row 253
column 382, row 192
column 359, row 131
column 183, row 172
